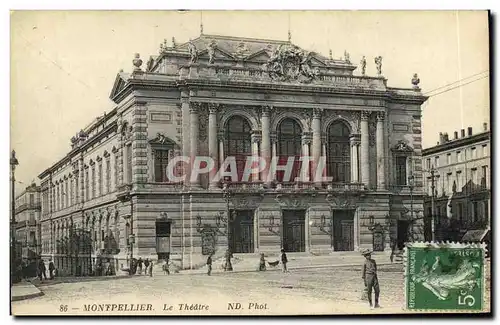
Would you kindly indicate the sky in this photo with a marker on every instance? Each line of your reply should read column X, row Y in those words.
column 64, row 63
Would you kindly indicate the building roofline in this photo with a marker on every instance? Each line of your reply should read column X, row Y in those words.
column 456, row 143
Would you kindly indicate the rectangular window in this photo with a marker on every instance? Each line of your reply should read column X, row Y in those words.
column 71, row 181
column 459, row 156
column 108, row 176
column 129, row 164
column 473, row 153
column 459, row 181
column 473, row 176
column 484, row 176
column 401, row 171
column 436, row 161
column 99, row 177
column 161, row 162
column 448, row 159
column 428, row 162
column 32, row 217
column 66, row 193
column 485, row 150
column 116, row 169
column 77, row 188
column 32, row 199
column 87, row 189
column 93, row 184
column 449, row 183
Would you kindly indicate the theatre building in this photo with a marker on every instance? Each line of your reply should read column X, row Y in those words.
column 110, row 198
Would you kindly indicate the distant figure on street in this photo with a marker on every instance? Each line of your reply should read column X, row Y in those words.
column 284, row 261
column 370, row 277
column 394, row 246
column 139, row 266
column 262, row 262
column 209, row 263
column 228, row 266
column 165, row 267
column 42, row 270
column 51, row 269
column 146, row 266
column 150, row 268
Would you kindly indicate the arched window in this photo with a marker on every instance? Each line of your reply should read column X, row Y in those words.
column 238, row 142
column 289, row 145
column 338, row 153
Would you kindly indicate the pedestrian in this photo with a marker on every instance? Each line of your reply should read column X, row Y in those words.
column 150, row 268
column 370, row 278
column 228, row 266
column 51, row 269
column 262, row 263
column 284, row 261
column 165, row 267
column 42, row 270
column 209, row 264
column 393, row 250
column 139, row 266
column 146, row 266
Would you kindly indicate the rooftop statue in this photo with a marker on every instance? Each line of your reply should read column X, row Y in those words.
column 211, row 52
column 362, row 65
column 193, row 51
column 378, row 63
column 415, row 81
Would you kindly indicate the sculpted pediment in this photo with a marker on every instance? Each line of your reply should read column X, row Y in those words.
column 120, row 82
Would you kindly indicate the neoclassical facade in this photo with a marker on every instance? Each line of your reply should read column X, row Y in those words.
column 111, row 198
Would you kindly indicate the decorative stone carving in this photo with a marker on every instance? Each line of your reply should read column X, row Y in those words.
column 211, row 52
column 163, row 46
column 213, row 108
column 362, row 65
column 317, row 112
column 290, row 63
column 193, row 52
column 137, row 62
column 174, row 44
column 242, row 50
column 203, row 122
column 293, row 201
column 402, row 146
column 340, row 201
column 347, row 57
column 415, row 81
column 365, row 115
column 194, row 107
column 161, row 139
column 307, row 117
column 330, row 55
column 380, row 116
column 372, row 130
column 150, row 64
column 378, row 63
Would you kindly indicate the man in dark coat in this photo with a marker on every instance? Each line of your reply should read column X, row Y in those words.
column 370, row 278
column 284, row 261
column 209, row 264
column 51, row 269
column 42, row 270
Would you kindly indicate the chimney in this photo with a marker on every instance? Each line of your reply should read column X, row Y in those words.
column 446, row 138
column 462, row 133
column 469, row 131
column 441, row 138
column 485, row 127
column 455, row 135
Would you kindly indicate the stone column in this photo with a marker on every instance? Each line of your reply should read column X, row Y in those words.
column 306, row 141
column 195, row 128
column 274, row 153
column 316, row 143
column 365, row 149
column 380, row 152
column 212, row 142
column 265, row 145
column 354, row 159
column 220, row 137
column 186, row 150
column 255, row 155
column 323, row 151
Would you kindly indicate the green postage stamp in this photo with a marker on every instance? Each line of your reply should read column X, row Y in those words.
column 444, row 277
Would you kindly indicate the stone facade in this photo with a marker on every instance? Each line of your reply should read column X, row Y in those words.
column 462, row 184
column 181, row 103
column 28, row 230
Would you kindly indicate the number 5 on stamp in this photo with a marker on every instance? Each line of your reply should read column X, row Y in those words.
column 444, row 276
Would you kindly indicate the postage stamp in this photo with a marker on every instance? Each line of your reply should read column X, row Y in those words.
column 444, row 276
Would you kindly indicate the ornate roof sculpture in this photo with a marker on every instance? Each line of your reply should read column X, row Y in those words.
column 290, row 63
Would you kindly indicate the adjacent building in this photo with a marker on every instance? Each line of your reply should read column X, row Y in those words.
column 28, row 231
column 110, row 198
column 459, row 170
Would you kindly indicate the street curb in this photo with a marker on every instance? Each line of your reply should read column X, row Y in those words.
column 30, row 296
column 185, row 272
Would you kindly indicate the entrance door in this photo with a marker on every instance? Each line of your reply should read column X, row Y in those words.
column 241, row 231
column 343, row 234
column 294, row 234
column 402, row 233
column 163, row 231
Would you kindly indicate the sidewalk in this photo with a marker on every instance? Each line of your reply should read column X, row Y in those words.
column 251, row 263
column 24, row 290
column 72, row 279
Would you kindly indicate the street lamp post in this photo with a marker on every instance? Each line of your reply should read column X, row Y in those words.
column 411, row 184
column 433, row 225
column 227, row 195
column 13, row 163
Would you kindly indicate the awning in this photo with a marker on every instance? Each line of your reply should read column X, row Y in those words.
column 475, row 235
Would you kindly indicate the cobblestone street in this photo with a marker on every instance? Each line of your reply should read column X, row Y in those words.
column 302, row 292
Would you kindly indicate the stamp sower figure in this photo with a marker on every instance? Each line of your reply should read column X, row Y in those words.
column 51, row 269
column 284, row 261
column 370, row 277
column 209, row 264
column 262, row 263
